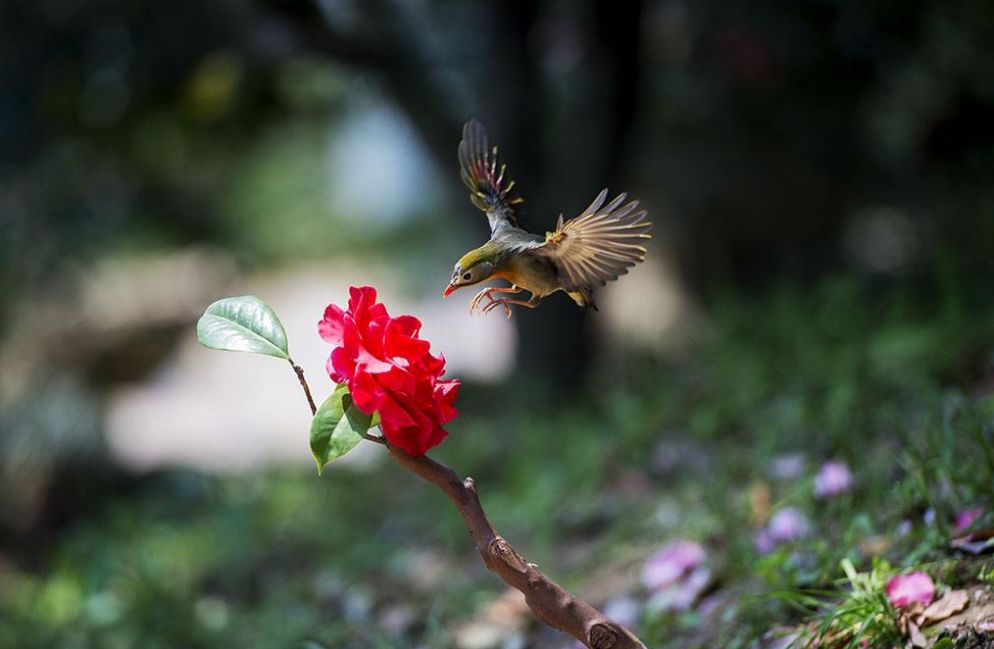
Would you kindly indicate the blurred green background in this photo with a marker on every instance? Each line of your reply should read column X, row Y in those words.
column 819, row 287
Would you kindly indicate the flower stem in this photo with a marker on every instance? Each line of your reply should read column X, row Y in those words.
column 303, row 383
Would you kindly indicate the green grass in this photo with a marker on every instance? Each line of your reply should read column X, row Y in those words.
column 859, row 616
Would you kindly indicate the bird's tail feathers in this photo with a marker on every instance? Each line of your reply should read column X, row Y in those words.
column 491, row 189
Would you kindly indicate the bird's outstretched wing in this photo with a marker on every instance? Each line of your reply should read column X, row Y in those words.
column 599, row 245
column 490, row 188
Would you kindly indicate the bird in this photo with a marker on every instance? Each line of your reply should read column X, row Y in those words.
column 581, row 254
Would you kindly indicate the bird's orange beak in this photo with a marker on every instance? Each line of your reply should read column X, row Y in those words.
column 448, row 290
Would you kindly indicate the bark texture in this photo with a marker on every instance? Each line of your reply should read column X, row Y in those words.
column 550, row 602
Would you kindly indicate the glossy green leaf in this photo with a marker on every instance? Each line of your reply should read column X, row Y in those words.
column 243, row 324
column 337, row 427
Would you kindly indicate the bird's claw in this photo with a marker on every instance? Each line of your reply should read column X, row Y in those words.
column 494, row 303
column 475, row 302
column 487, row 294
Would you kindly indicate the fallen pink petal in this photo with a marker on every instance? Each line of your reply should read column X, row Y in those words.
column 681, row 595
column 906, row 590
column 977, row 542
column 966, row 518
column 788, row 524
column 670, row 563
column 833, row 479
column 764, row 542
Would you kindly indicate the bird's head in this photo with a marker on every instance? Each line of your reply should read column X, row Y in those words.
column 474, row 267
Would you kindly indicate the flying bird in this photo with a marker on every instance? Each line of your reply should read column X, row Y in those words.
column 581, row 254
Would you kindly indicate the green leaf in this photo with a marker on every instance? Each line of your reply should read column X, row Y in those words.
column 243, row 324
column 337, row 427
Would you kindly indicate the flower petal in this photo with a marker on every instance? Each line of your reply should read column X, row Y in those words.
column 672, row 561
column 332, row 326
column 905, row 590
column 965, row 518
column 788, row 524
column 833, row 479
column 445, row 394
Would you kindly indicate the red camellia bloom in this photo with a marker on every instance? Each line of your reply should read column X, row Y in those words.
column 389, row 370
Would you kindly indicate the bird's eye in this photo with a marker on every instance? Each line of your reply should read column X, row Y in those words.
column 466, row 276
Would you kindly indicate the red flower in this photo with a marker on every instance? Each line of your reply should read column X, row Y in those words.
column 389, row 370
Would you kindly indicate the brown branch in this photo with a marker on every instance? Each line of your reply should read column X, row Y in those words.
column 303, row 383
column 549, row 601
column 379, row 439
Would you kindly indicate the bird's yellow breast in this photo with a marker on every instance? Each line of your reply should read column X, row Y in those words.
column 530, row 273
